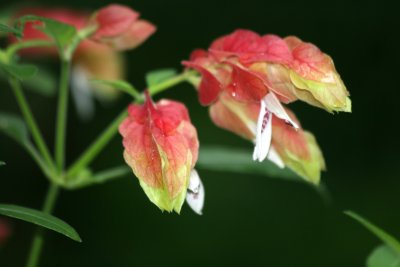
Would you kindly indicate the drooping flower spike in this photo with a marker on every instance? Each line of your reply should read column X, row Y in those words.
column 245, row 77
column 161, row 147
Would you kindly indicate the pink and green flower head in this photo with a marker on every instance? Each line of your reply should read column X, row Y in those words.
column 161, row 147
column 246, row 78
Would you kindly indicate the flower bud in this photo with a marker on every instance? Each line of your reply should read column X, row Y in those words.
column 118, row 26
column 161, row 147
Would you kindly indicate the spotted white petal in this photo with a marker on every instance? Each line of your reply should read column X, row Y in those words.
column 82, row 93
column 264, row 133
column 195, row 193
column 274, row 157
column 274, row 105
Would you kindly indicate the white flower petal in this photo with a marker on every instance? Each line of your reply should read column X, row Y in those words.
column 274, row 105
column 264, row 133
column 81, row 93
column 195, row 193
column 274, row 157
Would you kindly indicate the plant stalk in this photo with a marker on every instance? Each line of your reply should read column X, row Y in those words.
column 37, row 243
column 62, row 115
column 30, row 120
column 89, row 155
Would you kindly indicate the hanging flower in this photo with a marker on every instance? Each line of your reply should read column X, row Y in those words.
column 161, row 147
column 246, row 78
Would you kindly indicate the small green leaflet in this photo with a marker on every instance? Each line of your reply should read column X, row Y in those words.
column 43, row 83
column 14, row 127
column 63, row 34
column 239, row 161
column 2, row 163
column 383, row 256
column 8, row 29
column 158, row 76
column 89, row 179
column 40, row 218
column 120, row 85
column 19, row 71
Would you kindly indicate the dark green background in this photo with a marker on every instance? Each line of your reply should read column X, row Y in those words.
column 248, row 220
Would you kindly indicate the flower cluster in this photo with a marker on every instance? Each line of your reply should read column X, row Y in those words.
column 246, row 78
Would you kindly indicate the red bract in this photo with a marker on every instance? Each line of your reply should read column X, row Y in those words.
column 161, row 147
column 118, row 26
column 255, row 65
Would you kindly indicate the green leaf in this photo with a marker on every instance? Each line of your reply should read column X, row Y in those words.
column 383, row 256
column 43, row 83
column 40, row 218
column 14, row 127
column 239, row 161
column 389, row 240
column 63, row 34
column 19, row 71
column 119, row 85
column 102, row 177
column 2, row 163
column 8, row 29
column 158, row 76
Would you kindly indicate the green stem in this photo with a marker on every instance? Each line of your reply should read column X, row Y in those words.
column 158, row 88
column 61, row 123
column 90, row 154
column 37, row 242
column 102, row 177
column 14, row 48
column 30, row 120
column 94, row 149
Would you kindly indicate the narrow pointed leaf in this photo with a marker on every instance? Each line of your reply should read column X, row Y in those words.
column 40, row 218
column 389, row 240
column 14, row 127
column 8, row 29
column 383, row 256
column 19, row 71
column 158, row 76
column 239, row 161
column 119, row 85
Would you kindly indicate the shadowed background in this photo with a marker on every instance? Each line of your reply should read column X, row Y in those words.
column 248, row 220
